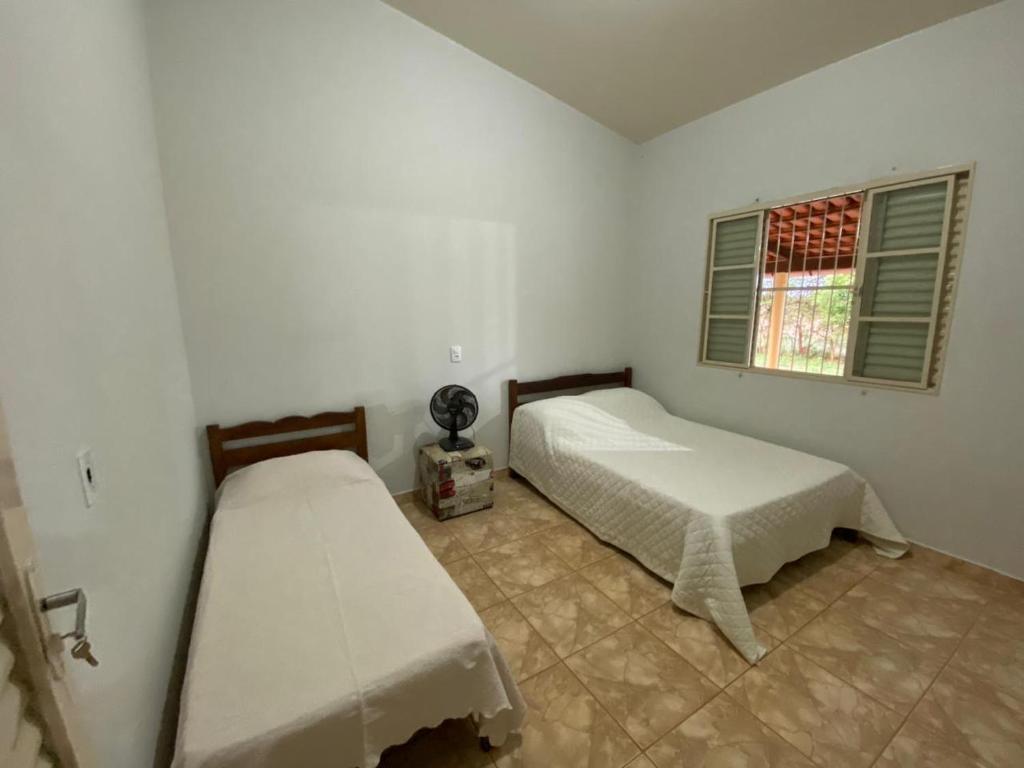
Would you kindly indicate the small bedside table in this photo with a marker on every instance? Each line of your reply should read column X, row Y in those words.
column 457, row 482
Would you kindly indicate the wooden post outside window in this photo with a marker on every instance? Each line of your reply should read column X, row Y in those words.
column 779, row 282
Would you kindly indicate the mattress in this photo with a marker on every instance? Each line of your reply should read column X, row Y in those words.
column 708, row 510
column 325, row 630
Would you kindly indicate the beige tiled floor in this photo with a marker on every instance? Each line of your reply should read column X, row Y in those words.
column 916, row 662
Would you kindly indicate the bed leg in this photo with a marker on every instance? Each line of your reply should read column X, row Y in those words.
column 485, row 744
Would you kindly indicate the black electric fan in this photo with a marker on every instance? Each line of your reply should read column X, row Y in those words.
column 454, row 407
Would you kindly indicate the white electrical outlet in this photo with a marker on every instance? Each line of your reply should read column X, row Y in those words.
column 87, row 474
column 455, row 353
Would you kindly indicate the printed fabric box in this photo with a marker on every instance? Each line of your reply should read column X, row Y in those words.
column 456, row 483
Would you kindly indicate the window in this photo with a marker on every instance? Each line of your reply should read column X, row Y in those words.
column 856, row 285
column 806, row 289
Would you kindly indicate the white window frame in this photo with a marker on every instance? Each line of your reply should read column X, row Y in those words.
column 931, row 377
column 864, row 253
column 710, row 279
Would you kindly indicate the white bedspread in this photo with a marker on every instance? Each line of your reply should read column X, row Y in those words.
column 706, row 509
column 326, row 631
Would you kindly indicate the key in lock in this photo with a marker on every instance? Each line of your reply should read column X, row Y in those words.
column 82, row 650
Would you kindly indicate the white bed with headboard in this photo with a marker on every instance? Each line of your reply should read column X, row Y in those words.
column 708, row 510
column 325, row 630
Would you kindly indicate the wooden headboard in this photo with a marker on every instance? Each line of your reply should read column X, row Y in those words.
column 518, row 388
column 341, row 438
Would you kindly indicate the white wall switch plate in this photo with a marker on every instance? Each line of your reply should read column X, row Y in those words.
column 87, row 474
column 455, row 353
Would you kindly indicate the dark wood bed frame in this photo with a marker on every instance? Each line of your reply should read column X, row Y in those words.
column 342, row 438
column 517, row 388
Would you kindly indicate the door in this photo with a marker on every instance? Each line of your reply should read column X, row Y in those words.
column 39, row 723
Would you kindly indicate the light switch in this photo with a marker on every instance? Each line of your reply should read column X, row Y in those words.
column 455, row 353
column 87, row 474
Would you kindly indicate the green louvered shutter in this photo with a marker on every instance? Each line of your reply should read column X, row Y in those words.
column 730, row 291
column 900, row 277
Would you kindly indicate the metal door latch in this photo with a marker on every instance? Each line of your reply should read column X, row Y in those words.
column 81, row 649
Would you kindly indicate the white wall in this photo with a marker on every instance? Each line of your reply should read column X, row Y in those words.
column 949, row 467
column 91, row 349
column 349, row 193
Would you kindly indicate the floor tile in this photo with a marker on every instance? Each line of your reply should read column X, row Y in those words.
column 489, row 528
column 857, row 556
column 474, row 583
column 645, row 686
column 880, row 666
column 943, row 583
column 509, row 491
column 780, row 610
column 453, row 744
column 930, row 559
column 565, row 727
column 876, row 645
column 913, row 747
column 929, row 624
column 629, row 585
column 828, row 720
column 993, row 655
column 570, row 614
column 574, row 544
column 523, row 648
column 724, row 735
column 417, row 514
column 485, row 529
column 520, row 496
column 521, row 565
column 701, row 643
column 538, row 513
column 973, row 718
column 445, row 547
column 820, row 575
column 1004, row 616
column 998, row 582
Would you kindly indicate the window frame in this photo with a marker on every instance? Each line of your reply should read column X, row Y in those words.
column 864, row 252
column 867, row 189
column 709, row 279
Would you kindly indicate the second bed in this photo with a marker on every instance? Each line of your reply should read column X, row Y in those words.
column 708, row 510
column 325, row 630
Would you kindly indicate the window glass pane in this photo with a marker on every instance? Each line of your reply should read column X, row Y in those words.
column 899, row 286
column 908, row 218
column 727, row 340
column 732, row 290
column 736, row 242
column 894, row 351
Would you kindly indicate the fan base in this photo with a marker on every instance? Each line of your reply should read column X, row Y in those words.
column 458, row 444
